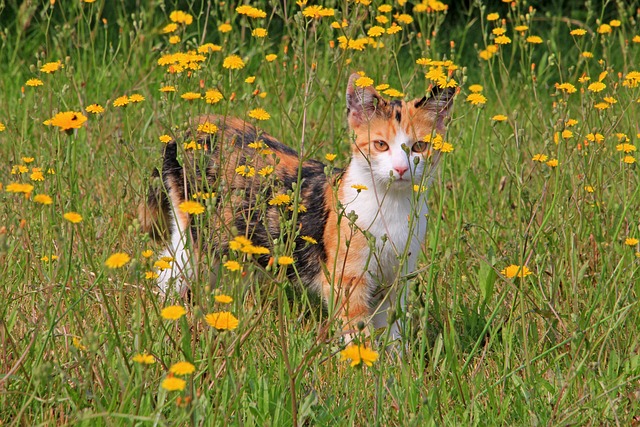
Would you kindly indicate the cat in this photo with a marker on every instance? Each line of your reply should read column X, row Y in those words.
column 358, row 231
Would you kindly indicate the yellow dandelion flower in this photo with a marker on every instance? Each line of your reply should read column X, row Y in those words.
column 43, row 199
column 190, row 96
column 182, row 368
column 636, row 39
column 162, row 265
column 144, row 359
column 233, row 62
column 359, row 187
column 28, row 159
column 121, row 101
column 403, row 18
column 385, row 8
column 629, row 160
column 280, row 199
column 363, row 81
column 604, row 29
column 169, row 28
column 16, row 187
column 493, row 16
column 174, row 39
column 95, row 109
column 165, row 139
column 246, row 171
column 330, row 157
column 375, row 31
column 209, row 47
column 626, row 147
column 254, row 250
column 68, row 120
column 251, row 11
column 147, row 253
column 191, row 207
column 476, row 88
column 181, row 17
column 117, row 260
column 516, row 271
column 135, row 98
column 232, row 266
column 285, row 260
column 250, row 79
column 534, row 39
column 207, row 127
column 317, row 12
column 520, row 28
column 499, row 118
column 150, row 275
column 212, row 96
column 359, row 354
column 502, row 40
column 172, row 383
column 394, row 28
column 51, row 67
column 540, row 158
column 173, row 312
column 309, row 239
column 224, row 28
column 166, row 89
column 631, row 241
column 381, row 19
column 259, row 114
column 476, row 99
column 553, row 163
column 222, row 321
column 36, row 174
column 393, row 93
column 259, row 32
column 34, row 82
column 265, row 171
column 596, row 86
column 498, row 31
column 223, row 299
column 73, row 217
column 589, row 189
column 578, row 32
column 77, row 343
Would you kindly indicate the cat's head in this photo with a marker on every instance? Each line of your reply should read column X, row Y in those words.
column 390, row 135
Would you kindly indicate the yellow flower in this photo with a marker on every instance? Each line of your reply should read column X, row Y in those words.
column 95, row 109
column 51, row 67
column 162, row 265
column 626, row 147
column 144, row 359
column 385, row 8
column 224, row 28
column 34, row 82
column 232, row 266
column 16, row 187
column 193, row 145
column 212, row 96
column 173, row 312
column 165, row 138
column 309, row 239
column 271, row 57
column 493, row 17
column 2, row 127
column 259, row 32
column 209, row 47
column 136, row 97
column 259, row 114
column 567, row 87
column 375, row 31
column 631, row 241
column 566, row 134
column 251, row 11
column 502, row 40
column 28, row 159
column 117, row 260
column 168, row 89
column 121, row 101
column 285, row 260
column 615, row 23
column 498, row 31
column 534, row 39
column 604, row 29
column 515, row 270
column 182, row 368
column 150, row 275
column 169, row 28
column 181, row 17
column 359, row 187
column 172, row 383
column 190, row 96
column 246, row 171
column 317, row 12
column 520, row 28
column 393, row 93
column 476, row 98
column 589, row 189
column 223, row 299
column 43, row 199
column 250, row 79
column 636, row 39
column 36, row 174
column 191, row 207
column 553, row 163
column 359, row 354
column 330, row 156
column 578, row 32
column 147, row 253
column 629, row 160
column 174, row 39
column 499, row 118
column 280, row 199
column 476, row 88
column 363, row 81
column 233, row 62
column 73, row 217
column 403, row 18
column 540, row 158
column 596, row 86
column 207, row 127
column 77, row 343
column 222, row 321
column 68, row 120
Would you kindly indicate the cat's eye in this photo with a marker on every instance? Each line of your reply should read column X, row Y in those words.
column 419, row 146
column 380, row 145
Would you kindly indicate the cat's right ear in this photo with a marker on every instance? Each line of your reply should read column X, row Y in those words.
column 362, row 102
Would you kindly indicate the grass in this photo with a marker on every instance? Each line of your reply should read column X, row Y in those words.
column 557, row 347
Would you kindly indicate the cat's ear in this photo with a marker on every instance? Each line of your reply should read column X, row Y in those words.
column 362, row 102
column 439, row 101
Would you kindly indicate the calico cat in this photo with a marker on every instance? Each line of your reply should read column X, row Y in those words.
column 358, row 232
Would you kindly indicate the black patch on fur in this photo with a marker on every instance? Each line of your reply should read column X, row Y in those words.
column 398, row 116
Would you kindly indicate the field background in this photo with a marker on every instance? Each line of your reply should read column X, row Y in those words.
column 557, row 347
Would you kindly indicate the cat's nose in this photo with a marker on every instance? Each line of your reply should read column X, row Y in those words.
column 401, row 170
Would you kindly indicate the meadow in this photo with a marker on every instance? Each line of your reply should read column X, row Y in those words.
column 524, row 309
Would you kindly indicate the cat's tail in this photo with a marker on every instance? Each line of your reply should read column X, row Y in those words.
column 154, row 212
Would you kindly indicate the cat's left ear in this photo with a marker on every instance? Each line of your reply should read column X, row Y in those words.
column 438, row 101
column 363, row 103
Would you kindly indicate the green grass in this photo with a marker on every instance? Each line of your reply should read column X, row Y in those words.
column 557, row 347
